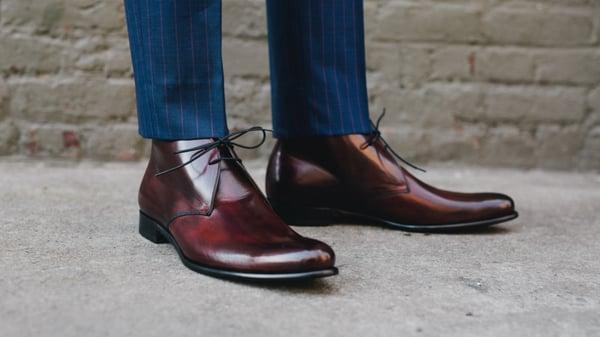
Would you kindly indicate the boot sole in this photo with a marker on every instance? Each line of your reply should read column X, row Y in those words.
column 314, row 216
column 154, row 232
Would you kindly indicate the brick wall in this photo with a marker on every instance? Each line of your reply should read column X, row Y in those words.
column 493, row 82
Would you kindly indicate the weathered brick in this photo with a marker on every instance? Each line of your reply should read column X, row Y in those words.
column 245, row 58
column 533, row 104
column 593, row 100
column 485, row 81
column 371, row 8
column 462, row 142
column 508, row 145
column 422, row 22
column 504, row 65
column 118, row 61
column 96, row 56
column 385, row 58
column 539, row 25
column 71, row 101
column 420, row 145
column 9, row 138
column 114, row 142
column 30, row 55
column 414, row 65
column 244, row 18
column 454, row 62
column 91, row 63
column 63, row 17
column 248, row 99
column 437, row 105
column 53, row 140
column 568, row 66
column 557, row 146
column 470, row 63
column 590, row 154
column 3, row 99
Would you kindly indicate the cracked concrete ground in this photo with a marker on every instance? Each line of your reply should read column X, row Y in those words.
column 73, row 265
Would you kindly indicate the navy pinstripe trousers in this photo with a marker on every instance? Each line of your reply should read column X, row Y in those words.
column 317, row 67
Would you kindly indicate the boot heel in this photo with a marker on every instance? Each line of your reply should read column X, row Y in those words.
column 149, row 230
column 306, row 216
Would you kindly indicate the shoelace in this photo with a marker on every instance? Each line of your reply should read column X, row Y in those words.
column 376, row 135
column 229, row 141
column 226, row 141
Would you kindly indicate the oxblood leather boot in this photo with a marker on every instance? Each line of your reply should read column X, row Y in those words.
column 356, row 179
column 206, row 205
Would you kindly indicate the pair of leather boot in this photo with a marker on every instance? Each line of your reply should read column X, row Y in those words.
column 197, row 195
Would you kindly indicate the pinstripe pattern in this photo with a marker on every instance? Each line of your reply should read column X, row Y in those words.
column 193, row 60
column 310, row 111
column 150, row 58
column 176, row 54
column 336, row 71
column 134, row 23
column 345, row 59
column 360, row 66
column 316, row 49
column 323, row 55
column 178, row 62
column 209, row 92
column 331, row 82
column 169, row 133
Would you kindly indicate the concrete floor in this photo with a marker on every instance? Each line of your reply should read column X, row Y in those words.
column 72, row 264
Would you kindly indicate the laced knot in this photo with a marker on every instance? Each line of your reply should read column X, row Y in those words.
column 375, row 135
column 221, row 142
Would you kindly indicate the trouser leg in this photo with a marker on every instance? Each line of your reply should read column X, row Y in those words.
column 176, row 54
column 318, row 72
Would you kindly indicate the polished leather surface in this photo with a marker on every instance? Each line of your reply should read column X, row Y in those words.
column 220, row 218
column 339, row 172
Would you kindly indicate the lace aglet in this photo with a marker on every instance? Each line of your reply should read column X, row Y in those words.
column 228, row 140
column 160, row 173
column 413, row 165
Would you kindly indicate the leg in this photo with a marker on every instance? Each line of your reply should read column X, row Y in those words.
column 317, row 59
column 176, row 53
column 330, row 164
column 195, row 194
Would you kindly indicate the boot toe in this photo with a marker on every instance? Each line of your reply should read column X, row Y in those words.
column 304, row 255
column 322, row 255
column 488, row 207
column 310, row 255
column 500, row 205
